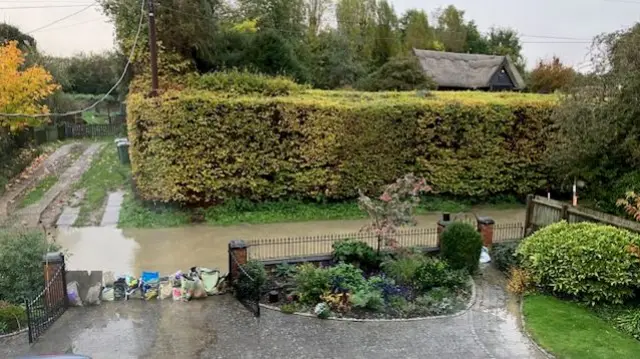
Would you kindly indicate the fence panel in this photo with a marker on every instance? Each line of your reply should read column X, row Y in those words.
column 505, row 232
column 321, row 245
column 94, row 130
column 49, row 305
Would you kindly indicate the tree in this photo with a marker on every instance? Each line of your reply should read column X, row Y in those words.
column 551, row 76
column 285, row 16
column 386, row 41
column 416, row 32
column 598, row 135
column 476, row 43
column 451, row 30
column 399, row 74
column 316, row 11
column 505, row 41
column 356, row 21
column 22, row 91
column 334, row 62
column 272, row 54
column 94, row 73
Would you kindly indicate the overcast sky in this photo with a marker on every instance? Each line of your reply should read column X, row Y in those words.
column 580, row 19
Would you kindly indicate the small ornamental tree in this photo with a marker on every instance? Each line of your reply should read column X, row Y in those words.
column 394, row 208
column 22, row 90
column 631, row 204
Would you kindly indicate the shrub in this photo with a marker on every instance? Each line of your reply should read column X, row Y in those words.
column 368, row 298
column 519, row 280
column 403, row 270
column 311, row 283
column 436, row 273
column 628, row 322
column 345, row 277
column 398, row 74
column 250, row 285
column 242, row 82
column 503, row 255
column 285, row 270
column 461, row 245
column 21, row 264
column 357, row 253
column 329, row 144
column 289, row 308
column 12, row 318
column 590, row 262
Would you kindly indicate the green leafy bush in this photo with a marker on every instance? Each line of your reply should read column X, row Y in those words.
column 368, row 298
column 461, row 245
column 398, row 74
column 403, row 270
column 591, row 262
column 12, row 318
column 357, row 253
column 285, row 270
column 251, row 284
column 437, row 273
column 311, row 283
column 347, row 277
column 289, row 308
column 200, row 147
column 503, row 255
column 242, row 82
column 21, row 264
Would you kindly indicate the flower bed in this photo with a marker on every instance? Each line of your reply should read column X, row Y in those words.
column 365, row 285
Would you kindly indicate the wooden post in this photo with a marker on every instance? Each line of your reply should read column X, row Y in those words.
column 565, row 212
column 529, row 214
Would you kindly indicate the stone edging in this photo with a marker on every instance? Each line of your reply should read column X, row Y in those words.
column 528, row 335
column 472, row 301
column 5, row 336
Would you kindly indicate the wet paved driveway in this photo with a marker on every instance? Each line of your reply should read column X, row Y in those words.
column 220, row 327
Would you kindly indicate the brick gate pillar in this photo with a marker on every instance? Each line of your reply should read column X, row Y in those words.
column 56, row 292
column 485, row 227
column 237, row 257
column 442, row 225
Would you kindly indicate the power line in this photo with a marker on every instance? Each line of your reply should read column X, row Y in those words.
column 60, row 19
column 42, row 6
column 71, row 25
column 555, row 37
column 124, row 73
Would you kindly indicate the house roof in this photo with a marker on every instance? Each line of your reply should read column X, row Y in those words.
column 450, row 69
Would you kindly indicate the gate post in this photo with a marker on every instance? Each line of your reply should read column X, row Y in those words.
column 237, row 257
column 485, row 227
column 54, row 262
column 442, row 225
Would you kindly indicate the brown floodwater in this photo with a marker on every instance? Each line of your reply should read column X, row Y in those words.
column 168, row 250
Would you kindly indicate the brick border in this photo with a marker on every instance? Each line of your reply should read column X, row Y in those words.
column 472, row 301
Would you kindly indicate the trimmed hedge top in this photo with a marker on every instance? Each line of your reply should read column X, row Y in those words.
column 200, row 147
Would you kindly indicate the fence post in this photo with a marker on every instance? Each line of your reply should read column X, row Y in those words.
column 529, row 216
column 565, row 212
column 237, row 257
column 52, row 262
column 485, row 227
column 27, row 307
column 442, row 225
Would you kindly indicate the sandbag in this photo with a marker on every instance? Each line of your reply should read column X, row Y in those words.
column 210, row 280
column 74, row 295
column 187, row 286
column 166, row 290
column 93, row 295
column 108, row 294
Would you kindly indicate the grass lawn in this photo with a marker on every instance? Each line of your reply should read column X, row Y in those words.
column 36, row 194
column 570, row 331
column 136, row 215
column 105, row 175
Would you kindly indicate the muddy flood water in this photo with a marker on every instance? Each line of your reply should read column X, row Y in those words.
column 168, row 250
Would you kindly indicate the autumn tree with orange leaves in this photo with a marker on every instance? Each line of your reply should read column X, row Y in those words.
column 22, row 90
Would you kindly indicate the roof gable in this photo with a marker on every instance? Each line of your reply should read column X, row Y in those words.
column 450, row 69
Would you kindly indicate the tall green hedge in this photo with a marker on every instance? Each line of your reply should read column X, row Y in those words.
column 196, row 147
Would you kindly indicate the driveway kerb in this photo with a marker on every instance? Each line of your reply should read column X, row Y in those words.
column 472, row 301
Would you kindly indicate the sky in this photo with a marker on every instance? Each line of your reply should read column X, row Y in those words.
column 89, row 31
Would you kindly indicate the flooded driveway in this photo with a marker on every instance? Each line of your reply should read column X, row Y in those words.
column 220, row 327
column 171, row 249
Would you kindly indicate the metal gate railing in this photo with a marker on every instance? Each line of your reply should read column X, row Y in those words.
column 51, row 303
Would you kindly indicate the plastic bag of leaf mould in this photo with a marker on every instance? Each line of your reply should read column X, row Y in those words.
column 93, row 295
column 74, row 295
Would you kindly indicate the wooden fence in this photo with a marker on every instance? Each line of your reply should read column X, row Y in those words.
column 543, row 212
column 94, row 130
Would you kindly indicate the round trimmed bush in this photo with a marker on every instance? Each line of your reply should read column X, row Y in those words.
column 587, row 261
column 461, row 245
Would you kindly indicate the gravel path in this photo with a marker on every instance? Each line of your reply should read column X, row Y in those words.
column 220, row 327
column 32, row 215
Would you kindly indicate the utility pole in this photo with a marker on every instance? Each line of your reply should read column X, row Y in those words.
column 153, row 49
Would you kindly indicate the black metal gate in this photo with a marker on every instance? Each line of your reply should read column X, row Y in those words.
column 246, row 289
column 52, row 302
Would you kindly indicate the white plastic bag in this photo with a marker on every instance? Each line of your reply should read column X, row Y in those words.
column 108, row 295
column 74, row 295
column 166, row 290
column 484, row 255
column 93, row 295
